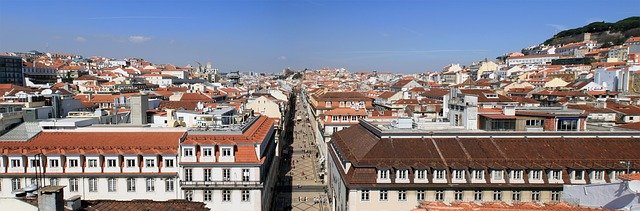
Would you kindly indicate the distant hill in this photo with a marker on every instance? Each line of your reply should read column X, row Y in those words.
column 603, row 32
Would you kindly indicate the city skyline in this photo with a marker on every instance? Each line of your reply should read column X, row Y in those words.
column 403, row 37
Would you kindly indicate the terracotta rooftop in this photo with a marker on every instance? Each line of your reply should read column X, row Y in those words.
column 144, row 205
column 345, row 111
column 95, row 142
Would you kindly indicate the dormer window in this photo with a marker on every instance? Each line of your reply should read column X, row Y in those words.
column 334, row 118
column 598, row 175
column 73, row 163
column 478, row 174
column 187, row 152
column 16, row 163
column 439, row 174
column 491, row 95
column 207, row 152
column 226, row 151
column 578, row 175
column 402, row 174
column 497, row 174
column 111, row 162
column 150, row 163
column 327, row 104
column 35, row 163
column 556, row 174
column 383, row 174
column 54, row 163
column 421, row 174
column 516, row 174
column 458, row 174
column 93, row 163
column 536, row 175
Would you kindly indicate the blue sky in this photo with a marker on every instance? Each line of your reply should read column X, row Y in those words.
column 267, row 36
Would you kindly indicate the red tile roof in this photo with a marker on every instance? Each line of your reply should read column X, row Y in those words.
column 99, row 205
column 345, row 111
column 96, row 142
column 500, row 206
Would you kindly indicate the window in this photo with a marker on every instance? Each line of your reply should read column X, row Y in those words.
column 93, row 163
column 536, row 175
column 439, row 195
column 458, row 174
column 578, row 175
column 402, row 195
column 555, row 195
column 478, row 174
column 534, row 122
column 150, row 163
column 73, row 163
column 226, row 195
column 111, row 184
column 111, row 163
column 535, row 195
column 245, row 175
column 188, row 174
column 188, row 195
column 334, row 118
column 131, row 162
column 131, row 184
column 207, row 174
column 54, row 163
column 364, row 195
column 516, row 174
column 34, row 181
column 477, row 195
column 354, row 118
column 515, row 195
column 226, row 152
column 15, row 184
column 15, row 163
column 54, row 181
column 497, row 195
column 168, row 163
column 345, row 118
column 187, row 152
column 421, row 174
column 402, row 174
column 439, row 174
column 458, row 196
column 420, row 195
column 384, row 195
column 335, row 129
column 497, row 174
column 151, row 185
column 226, row 174
column 35, row 163
column 93, row 185
column 384, row 174
column 169, row 185
column 556, row 174
column 245, row 195
column 207, row 152
column 207, row 195
column 327, row 104
column 567, row 125
column 598, row 175
column 73, row 184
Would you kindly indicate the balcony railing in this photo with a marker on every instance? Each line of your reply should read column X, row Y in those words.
column 221, row 184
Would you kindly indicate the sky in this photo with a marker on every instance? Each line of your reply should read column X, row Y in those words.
column 267, row 36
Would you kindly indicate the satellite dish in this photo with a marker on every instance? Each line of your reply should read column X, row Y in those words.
column 634, row 185
column 31, row 188
column 46, row 92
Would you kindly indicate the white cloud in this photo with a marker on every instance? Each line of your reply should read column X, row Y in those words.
column 557, row 27
column 282, row 58
column 80, row 39
column 138, row 39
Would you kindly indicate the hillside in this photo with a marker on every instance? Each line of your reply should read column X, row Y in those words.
column 603, row 32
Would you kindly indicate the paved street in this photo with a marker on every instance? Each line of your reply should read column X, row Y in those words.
column 300, row 187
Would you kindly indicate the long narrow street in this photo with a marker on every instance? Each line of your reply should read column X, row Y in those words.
column 300, row 187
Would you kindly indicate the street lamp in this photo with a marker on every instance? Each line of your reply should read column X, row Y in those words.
column 627, row 163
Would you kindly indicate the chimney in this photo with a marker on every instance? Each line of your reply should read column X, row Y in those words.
column 51, row 198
